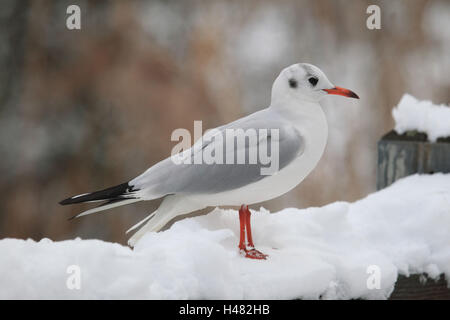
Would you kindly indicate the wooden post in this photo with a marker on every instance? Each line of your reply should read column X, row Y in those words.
column 409, row 153
column 419, row 287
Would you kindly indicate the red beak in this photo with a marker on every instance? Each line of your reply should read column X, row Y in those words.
column 342, row 92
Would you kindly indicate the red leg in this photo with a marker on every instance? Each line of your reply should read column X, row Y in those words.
column 249, row 228
column 242, row 229
column 244, row 218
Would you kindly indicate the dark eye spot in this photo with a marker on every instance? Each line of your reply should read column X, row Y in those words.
column 293, row 83
column 313, row 81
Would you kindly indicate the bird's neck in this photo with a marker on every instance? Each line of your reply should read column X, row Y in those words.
column 300, row 112
column 307, row 116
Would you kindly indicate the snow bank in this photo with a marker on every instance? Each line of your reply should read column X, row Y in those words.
column 316, row 252
column 423, row 116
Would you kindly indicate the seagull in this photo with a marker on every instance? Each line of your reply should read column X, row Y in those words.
column 299, row 122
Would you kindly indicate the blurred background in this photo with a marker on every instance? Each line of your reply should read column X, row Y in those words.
column 81, row 110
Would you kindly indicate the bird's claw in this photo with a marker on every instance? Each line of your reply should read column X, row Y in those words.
column 253, row 254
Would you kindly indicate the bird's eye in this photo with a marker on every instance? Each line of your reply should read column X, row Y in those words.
column 293, row 83
column 313, row 81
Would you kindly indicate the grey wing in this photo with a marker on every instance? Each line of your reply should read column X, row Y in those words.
column 278, row 141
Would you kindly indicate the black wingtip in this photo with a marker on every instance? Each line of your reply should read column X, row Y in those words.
column 65, row 201
column 105, row 194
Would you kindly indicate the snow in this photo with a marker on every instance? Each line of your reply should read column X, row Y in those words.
column 314, row 253
column 423, row 116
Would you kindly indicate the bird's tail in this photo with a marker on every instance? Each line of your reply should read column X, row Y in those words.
column 158, row 219
column 116, row 196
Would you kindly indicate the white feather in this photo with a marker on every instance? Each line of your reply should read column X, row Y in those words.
column 106, row 207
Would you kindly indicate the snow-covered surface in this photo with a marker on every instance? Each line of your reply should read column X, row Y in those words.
column 315, row 252
column 423, row 116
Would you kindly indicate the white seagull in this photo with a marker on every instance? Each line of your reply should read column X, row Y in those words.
column 302, row 128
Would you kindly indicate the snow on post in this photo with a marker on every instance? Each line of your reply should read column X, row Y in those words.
column 420, row 142
column 412, row 115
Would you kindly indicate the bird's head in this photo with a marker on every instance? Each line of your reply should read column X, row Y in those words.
column 303, row 81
